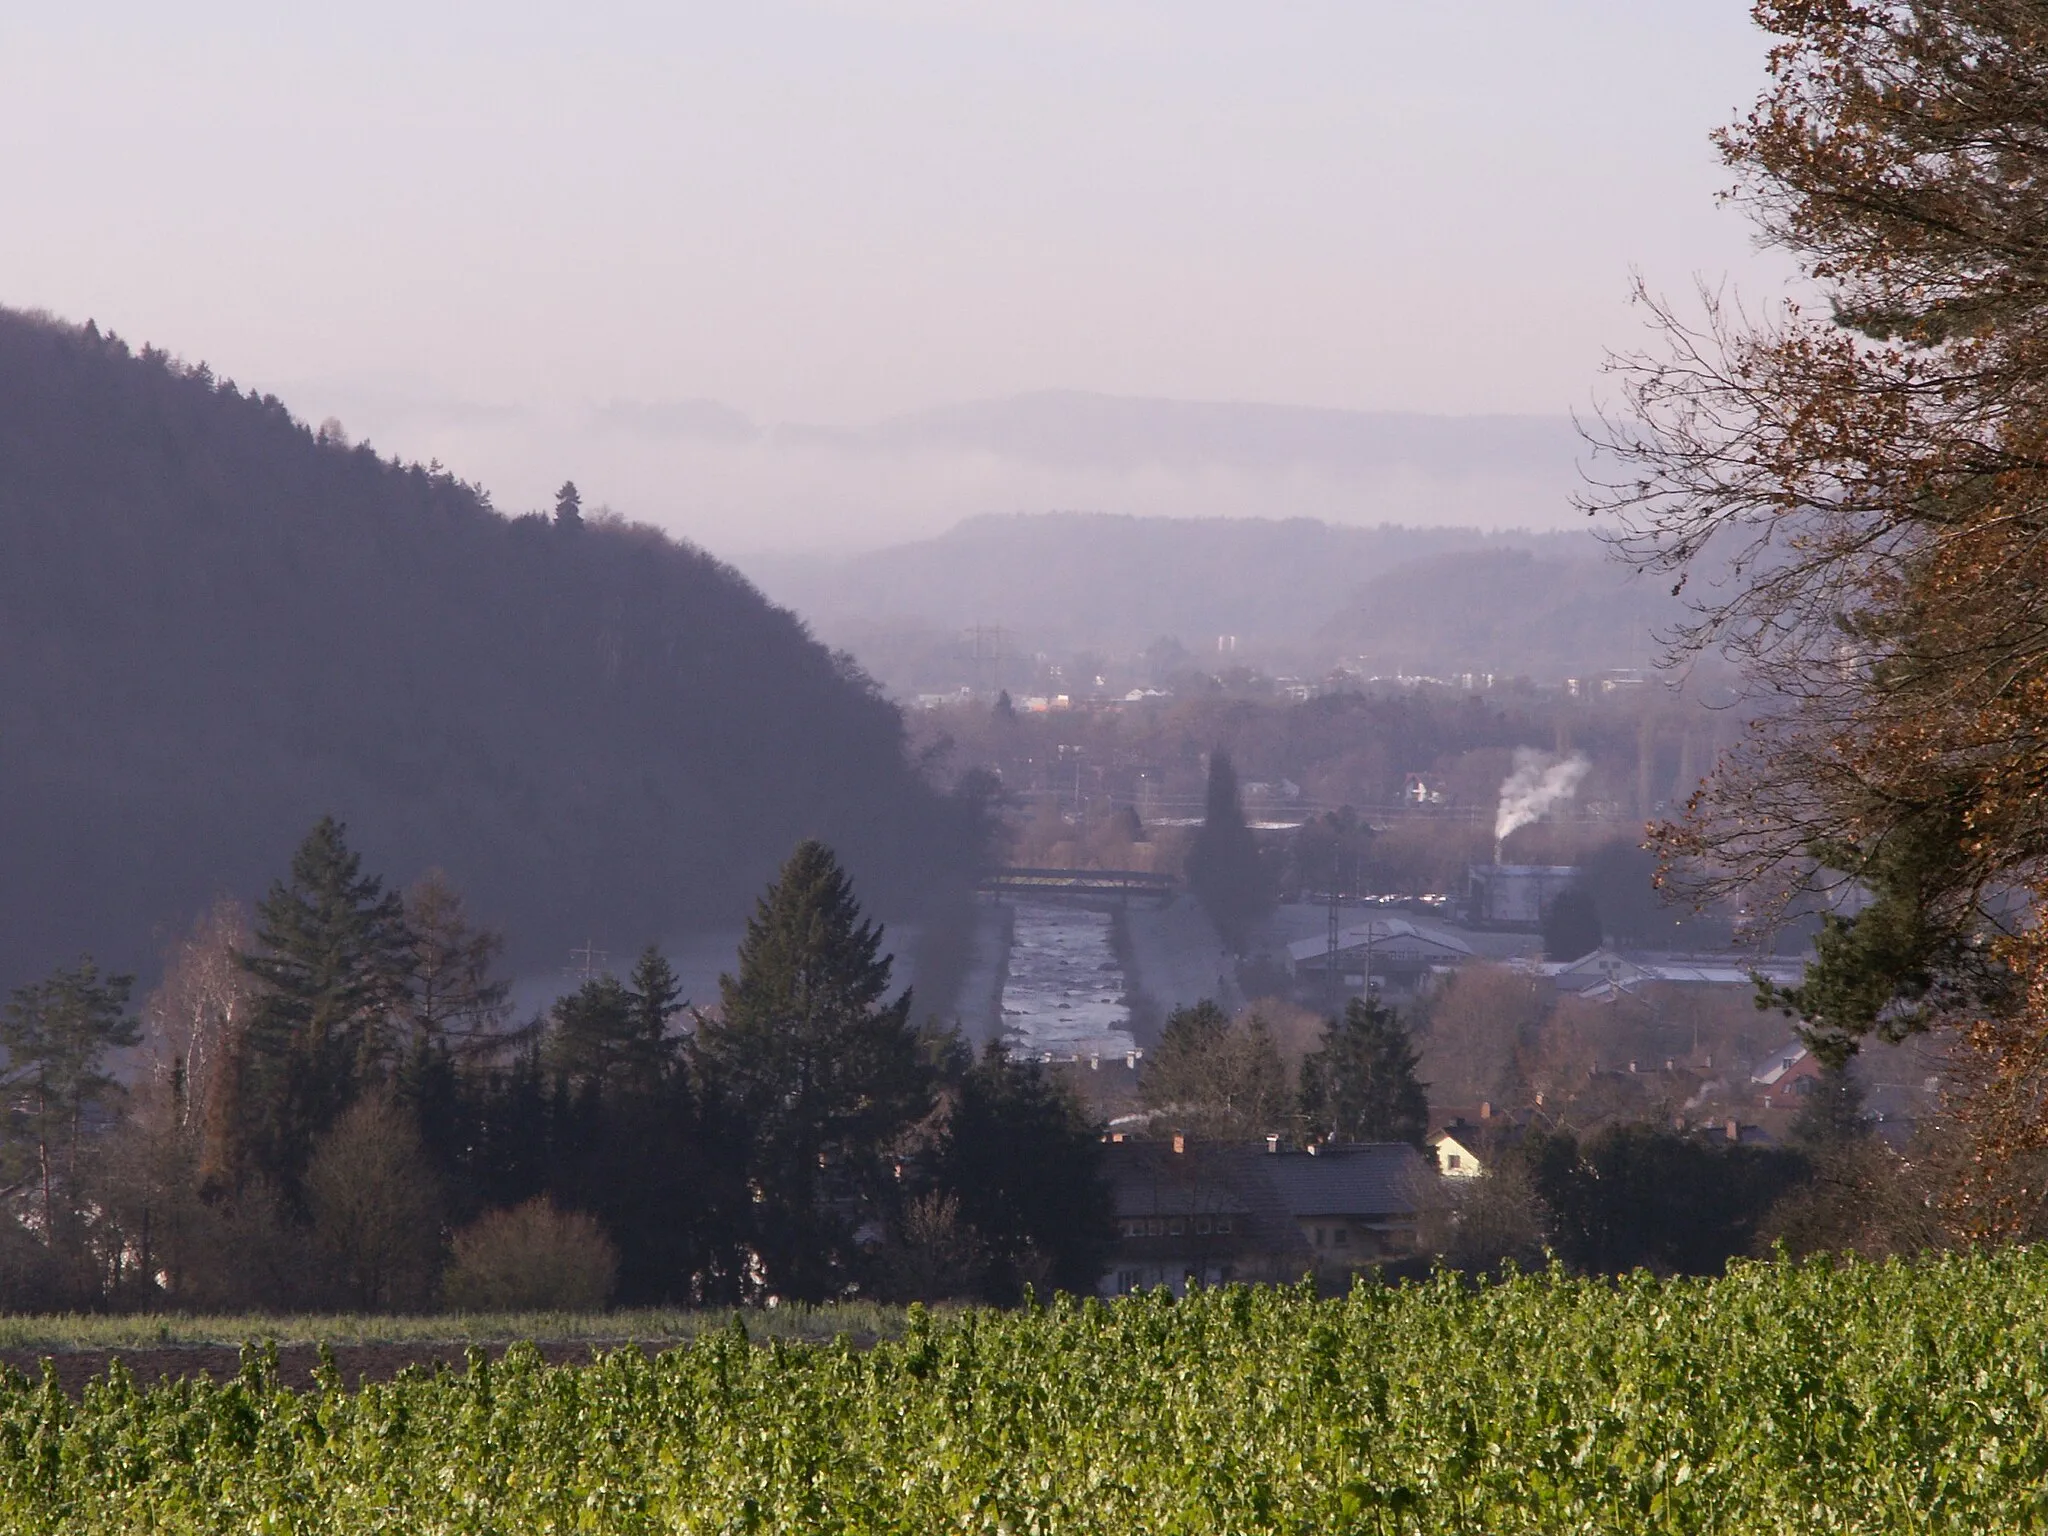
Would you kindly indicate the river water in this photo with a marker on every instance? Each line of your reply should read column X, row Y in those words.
column 1063, row 992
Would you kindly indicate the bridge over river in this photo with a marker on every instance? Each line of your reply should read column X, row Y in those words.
column 1121, row 884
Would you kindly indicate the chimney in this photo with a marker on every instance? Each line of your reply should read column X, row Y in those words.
column 1485, row 1110
column 1180, row 1143
column 1272, row 1143
column 1734, row 1131
column 1539, row 1101
column 1094, row 1062
column 1131, row 1061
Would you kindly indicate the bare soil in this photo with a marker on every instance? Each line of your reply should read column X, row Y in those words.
column 358, row 1363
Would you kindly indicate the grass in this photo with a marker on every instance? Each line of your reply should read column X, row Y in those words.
column 71, row 1332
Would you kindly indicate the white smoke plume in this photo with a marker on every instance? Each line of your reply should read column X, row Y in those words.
column 1539, row 781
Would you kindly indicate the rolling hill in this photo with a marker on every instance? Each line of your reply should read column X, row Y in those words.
column 217, row 625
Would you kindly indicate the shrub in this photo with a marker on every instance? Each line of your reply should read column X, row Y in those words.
column 531, row 1258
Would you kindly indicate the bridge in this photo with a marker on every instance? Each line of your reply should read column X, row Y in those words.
column 1119, row 883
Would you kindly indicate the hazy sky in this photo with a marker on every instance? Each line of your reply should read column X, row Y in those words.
column 479, row 231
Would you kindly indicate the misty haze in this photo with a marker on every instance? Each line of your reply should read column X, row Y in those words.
column 1100, row 767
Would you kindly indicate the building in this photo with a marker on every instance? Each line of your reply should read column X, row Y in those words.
column 1356, row 1203
column 1514, row 896
column 1192, row 1212
column 1394, row 952
column 1456, row 1153
column 1792, row 1069
column 1606, row 974
column 1464, row 1148
column 1206, row 1213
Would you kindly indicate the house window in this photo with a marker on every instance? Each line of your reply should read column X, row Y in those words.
column 1201, row 1226
column 1178, row 1227
column 1319, row 1237
column 1343, row 1236
column 1155, row 1227
column 1223, row 1224
column 1452, row 1160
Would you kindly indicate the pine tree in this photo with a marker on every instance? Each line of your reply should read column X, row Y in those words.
column 1224, row 869
column 335, row 956
column 1361, row 1086
column 568, row 506
column 1025, row 1164
column 817, row 1066
column 455, row 998
column 656, row 997
column 57, row 1033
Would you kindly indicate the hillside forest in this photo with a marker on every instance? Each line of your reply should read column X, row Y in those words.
column 220, row 623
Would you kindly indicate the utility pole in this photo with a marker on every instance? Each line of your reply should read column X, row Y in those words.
column 591, row 960
column 1330, row 974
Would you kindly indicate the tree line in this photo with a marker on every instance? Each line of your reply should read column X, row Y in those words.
column 333, row 1106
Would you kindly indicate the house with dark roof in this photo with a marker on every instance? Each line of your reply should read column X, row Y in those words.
column 1193, row 1211
column 1355, row 1204
column 1210, row 1213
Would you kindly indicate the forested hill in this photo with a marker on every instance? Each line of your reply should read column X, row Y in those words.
column 216, row 625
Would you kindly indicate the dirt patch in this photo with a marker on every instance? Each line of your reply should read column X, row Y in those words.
column 296, row 1363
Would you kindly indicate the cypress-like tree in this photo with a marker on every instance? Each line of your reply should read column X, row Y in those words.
column 1224, row 869
column 335, row 957
column 1571, row 925
column 1361, row 1085
column 818, row 1068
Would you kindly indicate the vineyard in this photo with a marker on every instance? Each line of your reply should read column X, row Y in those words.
column 1783, row 1398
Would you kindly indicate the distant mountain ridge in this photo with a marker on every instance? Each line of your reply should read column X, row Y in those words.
column 1118, row 582
column 1522, row 612
column 216, row 626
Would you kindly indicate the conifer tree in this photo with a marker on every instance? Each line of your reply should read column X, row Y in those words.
column 1025, row 1163
column 455, row 997
column 614, row 1034
column 57, row 1033
column 568, row 506
column 817, row 1067
column 1361, row 1086
column 334, row 954
column 1224, row 869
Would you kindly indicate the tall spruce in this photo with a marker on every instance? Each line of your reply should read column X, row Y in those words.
column 335, row 956
column 1361, row 1085
column 1224, row 868
column 818, row 1070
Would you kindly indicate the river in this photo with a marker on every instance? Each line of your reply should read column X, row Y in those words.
column 1063, row 992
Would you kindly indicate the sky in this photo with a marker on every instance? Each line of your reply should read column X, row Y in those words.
column 633, row 243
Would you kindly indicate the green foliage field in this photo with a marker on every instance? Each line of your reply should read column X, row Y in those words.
column 1782, row 1398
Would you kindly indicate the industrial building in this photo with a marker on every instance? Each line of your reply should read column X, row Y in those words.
column 1513, row 896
